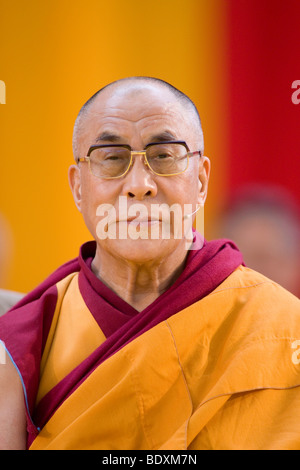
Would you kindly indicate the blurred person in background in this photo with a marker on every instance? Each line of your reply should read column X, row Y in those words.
column 7, row 298
column 264, row 222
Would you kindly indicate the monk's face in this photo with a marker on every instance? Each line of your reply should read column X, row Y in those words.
column 136, row 115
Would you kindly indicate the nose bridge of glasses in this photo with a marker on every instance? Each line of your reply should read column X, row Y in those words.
column 135, row 153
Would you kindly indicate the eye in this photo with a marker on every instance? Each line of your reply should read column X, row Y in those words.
column 112, row 157
column 115, row 156
column 163, row 156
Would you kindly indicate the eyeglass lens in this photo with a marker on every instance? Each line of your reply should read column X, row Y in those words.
column 163, row 159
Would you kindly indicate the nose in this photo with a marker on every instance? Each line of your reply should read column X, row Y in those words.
column 139, row 182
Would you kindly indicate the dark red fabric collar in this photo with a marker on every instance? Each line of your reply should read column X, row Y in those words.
column 205, row 269
column 110, row 311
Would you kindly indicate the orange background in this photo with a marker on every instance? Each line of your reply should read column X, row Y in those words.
column 54, row 56
column 236, row 59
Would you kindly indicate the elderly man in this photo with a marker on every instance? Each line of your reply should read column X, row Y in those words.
column 149, row 340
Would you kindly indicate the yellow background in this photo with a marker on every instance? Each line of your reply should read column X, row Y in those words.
column 54, row 56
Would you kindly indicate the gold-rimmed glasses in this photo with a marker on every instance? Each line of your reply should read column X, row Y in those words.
column 114, row 160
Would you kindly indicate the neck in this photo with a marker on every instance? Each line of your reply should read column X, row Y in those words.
column 139, row 284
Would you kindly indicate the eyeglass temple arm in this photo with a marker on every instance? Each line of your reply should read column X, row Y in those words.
column 197, row 152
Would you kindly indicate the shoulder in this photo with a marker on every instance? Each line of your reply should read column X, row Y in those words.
column 245, row 284
column 244, row 277
column 25, row 327
column 245, row 334
column 260, row 304
column 247, row 307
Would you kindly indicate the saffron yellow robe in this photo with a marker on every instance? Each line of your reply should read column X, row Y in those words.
column 223, row 373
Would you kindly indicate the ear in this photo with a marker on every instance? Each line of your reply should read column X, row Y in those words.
column 75, row 184
column 204, row 172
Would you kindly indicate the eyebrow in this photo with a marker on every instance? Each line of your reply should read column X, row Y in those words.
column 164, row 136
column 108, row 137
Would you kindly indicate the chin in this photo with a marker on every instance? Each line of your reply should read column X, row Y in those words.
column 141, row 251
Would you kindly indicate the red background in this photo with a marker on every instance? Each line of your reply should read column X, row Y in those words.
column 264, row 53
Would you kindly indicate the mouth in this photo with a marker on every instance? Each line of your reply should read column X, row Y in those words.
column 140, row 221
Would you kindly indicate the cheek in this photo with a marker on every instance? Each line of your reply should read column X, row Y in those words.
column 95, row 192
column 183, row 189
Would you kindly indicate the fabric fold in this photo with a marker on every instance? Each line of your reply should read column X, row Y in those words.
column 25, row 328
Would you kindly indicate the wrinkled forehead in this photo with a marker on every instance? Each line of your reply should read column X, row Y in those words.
column 137, row 108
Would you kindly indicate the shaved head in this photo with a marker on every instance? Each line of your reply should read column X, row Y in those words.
column 137, row 85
